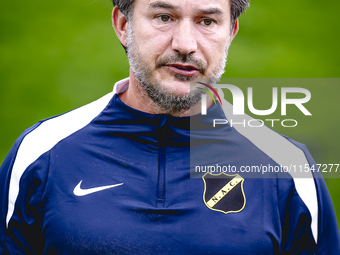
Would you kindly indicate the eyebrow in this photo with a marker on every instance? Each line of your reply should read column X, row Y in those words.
column 165, row 5
column 162, row 4
column 209, row 11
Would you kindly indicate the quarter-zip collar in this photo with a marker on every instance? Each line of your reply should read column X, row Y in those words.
column 149, row 128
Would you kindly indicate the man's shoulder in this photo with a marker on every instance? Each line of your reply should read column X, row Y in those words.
column 282, row 149
column 44, row 135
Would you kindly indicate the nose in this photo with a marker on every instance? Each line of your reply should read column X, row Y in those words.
column 184, row 41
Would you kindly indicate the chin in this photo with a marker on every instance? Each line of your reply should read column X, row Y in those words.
column 179, row 88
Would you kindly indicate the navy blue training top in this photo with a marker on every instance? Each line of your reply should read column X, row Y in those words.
column 108, row 179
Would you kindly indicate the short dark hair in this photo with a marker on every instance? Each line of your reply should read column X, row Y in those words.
column 125, row 6
column 237, row 8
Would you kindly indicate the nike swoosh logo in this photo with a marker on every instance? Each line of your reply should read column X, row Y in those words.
column 83, row 192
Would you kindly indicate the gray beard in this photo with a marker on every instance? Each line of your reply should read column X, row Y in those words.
column 166, row 101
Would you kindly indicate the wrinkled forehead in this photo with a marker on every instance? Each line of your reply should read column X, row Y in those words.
column 221, row 7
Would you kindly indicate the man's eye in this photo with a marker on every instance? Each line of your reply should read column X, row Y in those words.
column 207, row 22
column 164, row 18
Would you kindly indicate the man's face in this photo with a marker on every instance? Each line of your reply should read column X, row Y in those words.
column 173, row 42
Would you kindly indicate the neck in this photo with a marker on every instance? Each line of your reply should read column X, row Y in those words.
column 136, row 97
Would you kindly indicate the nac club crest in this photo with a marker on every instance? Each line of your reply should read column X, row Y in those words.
column 224, row 193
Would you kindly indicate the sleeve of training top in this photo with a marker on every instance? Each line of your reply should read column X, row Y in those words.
column 21, row 192
column 307, row 230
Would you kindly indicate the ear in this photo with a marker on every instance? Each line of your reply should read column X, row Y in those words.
column 120, row 24
column 235, row 30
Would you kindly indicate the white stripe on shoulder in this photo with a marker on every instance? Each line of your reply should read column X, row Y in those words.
column 284, row 153
column 45, row 137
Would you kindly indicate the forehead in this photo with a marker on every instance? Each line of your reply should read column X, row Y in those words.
column 187, row 6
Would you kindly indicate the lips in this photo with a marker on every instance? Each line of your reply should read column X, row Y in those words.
column 187, row 70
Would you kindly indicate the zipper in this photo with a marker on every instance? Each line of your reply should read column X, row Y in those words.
column 160, row 200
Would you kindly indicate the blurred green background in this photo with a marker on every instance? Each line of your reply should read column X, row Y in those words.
column 56, row 56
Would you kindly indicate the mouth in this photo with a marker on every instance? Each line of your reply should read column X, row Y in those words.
column 187, row 70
